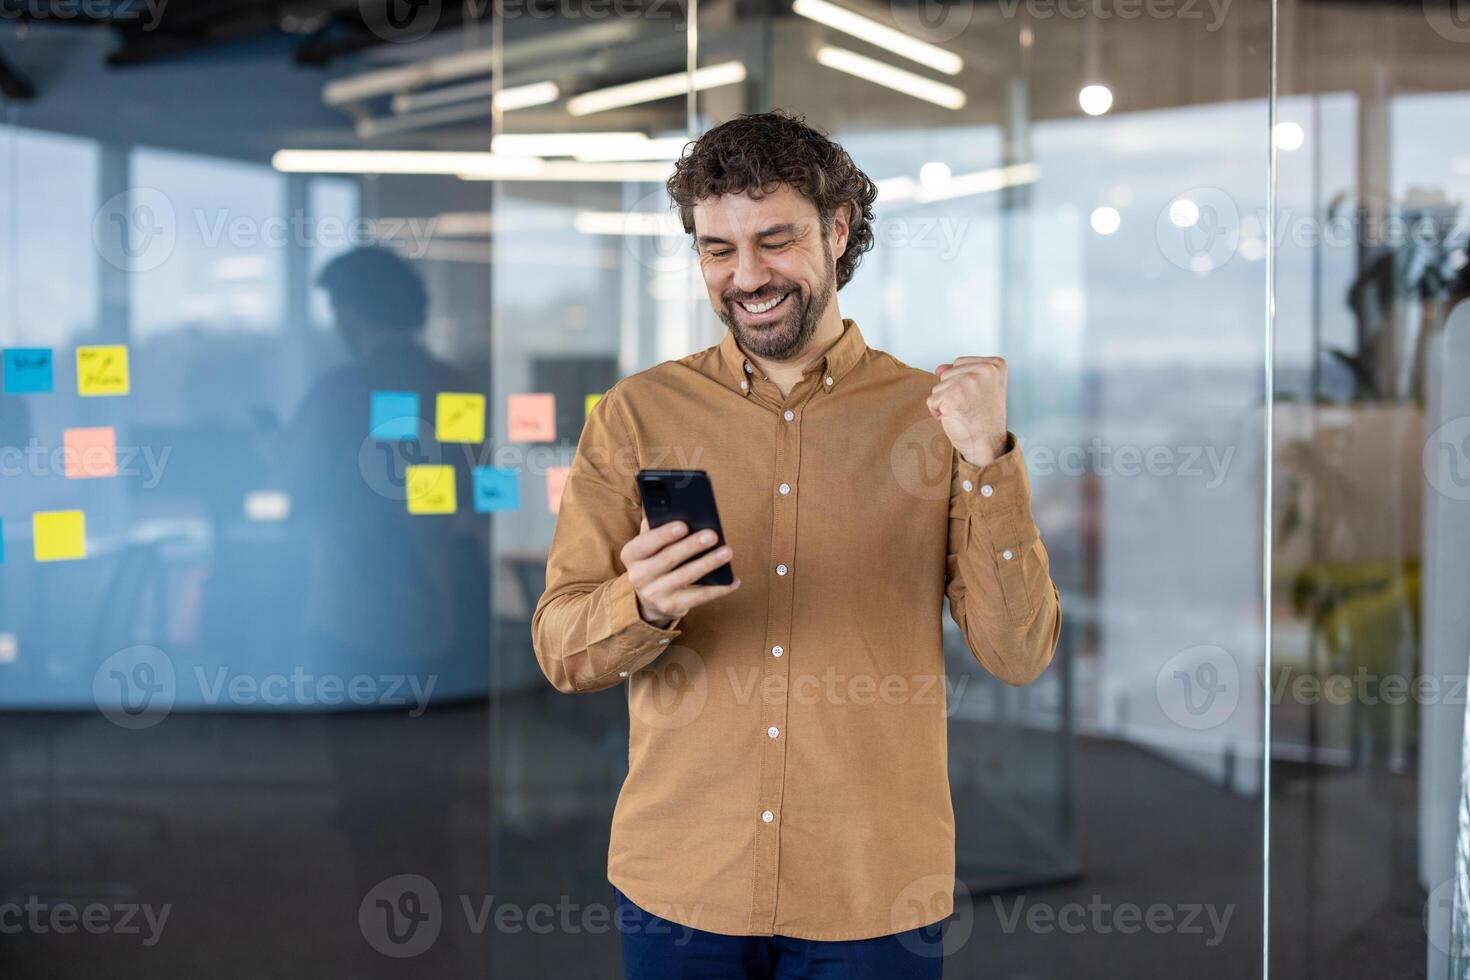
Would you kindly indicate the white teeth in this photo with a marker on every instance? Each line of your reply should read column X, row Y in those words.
column 763, row 307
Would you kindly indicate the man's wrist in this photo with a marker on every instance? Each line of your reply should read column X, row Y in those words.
column 984, row 453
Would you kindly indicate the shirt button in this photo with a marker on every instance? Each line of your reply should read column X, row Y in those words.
column 780, row 569
column 747, row 367
column 968, row 486
column 785, row 488
column 744, row 384
column 622, row 673
column 788, row 415
column 1007, row 555
column 776, row 651
column 829, row 382
column 767, row 816
column 773, row 731
column 986, row 490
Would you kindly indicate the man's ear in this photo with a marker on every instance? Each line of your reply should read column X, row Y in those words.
column 841, row 223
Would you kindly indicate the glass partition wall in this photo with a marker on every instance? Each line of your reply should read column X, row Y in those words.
column 1222, row 247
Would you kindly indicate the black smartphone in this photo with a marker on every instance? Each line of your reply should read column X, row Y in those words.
column 688, row 496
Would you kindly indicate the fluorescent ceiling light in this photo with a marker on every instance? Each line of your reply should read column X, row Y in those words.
column 565, row 144
column 462, row 224
column 574, row 171
column 478, row 61
column 627, row 223
column 895, row 188
column 507, row 99
column 879, row 35
column 653, row 89
column 664, row 148
column 882, row 73
column 428, row 162
column 371, row 127
column 387, row 81
column 467, row 165
column 959, row 185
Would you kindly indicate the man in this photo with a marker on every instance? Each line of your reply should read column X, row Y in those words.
column 787, row 803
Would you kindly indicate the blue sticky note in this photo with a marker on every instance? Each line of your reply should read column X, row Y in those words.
column 27, row 370
column 395, row 415
column 497, row 488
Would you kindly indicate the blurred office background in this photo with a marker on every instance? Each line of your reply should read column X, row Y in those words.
column 1223, row 246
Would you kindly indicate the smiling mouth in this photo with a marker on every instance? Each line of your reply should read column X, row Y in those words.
column 766, row 306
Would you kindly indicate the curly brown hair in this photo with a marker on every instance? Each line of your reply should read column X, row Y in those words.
column 753, row 154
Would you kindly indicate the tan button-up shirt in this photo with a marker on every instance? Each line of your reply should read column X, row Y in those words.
column 787, row 755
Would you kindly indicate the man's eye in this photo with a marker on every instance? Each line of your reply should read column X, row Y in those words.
column 778, row 244
column 717, row 253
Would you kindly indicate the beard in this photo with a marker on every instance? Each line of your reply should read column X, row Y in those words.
column 783, row 339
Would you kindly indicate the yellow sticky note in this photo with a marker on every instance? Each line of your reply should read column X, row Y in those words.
column 591, row 401
column 430, row 489
column 531, row 418
column 59, row 535
column 459, row 417
column 102, row 370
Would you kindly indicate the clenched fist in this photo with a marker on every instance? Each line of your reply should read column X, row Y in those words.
column 970, row 402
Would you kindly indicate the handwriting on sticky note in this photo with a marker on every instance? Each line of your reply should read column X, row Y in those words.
column 430, row 489
column 497, row 488
column 90, row 453
column 59, row 535
column 459, row 417
column 27, row 370
column 102, row 370
column 556, row 482
column 531, row 418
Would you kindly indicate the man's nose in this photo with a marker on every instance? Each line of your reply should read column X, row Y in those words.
column 750, row 272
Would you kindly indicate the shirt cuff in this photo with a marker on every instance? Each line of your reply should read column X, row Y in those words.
column 999, row 487
column 629, row 642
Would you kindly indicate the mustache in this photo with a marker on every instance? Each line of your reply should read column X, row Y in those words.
column 737, row 296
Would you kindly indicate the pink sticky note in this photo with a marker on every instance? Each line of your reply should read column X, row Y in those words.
column 531, row 418
column 90, row 453
column 556, row 482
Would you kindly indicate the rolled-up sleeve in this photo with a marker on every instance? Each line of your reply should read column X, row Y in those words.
column 998, row 578
column 587, row 632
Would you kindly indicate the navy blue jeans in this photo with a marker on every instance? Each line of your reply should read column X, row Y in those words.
column 657, row 949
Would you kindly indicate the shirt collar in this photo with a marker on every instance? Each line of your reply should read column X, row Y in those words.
column 840, row 358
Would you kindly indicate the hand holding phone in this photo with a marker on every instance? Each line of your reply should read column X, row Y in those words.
column 679, row 559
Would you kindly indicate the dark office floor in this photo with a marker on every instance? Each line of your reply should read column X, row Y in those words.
column 263, row 834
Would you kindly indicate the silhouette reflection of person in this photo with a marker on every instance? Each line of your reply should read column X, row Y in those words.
column 383, row 585
column 392, row 595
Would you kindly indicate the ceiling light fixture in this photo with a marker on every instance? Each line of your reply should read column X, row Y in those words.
column 879, row 35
